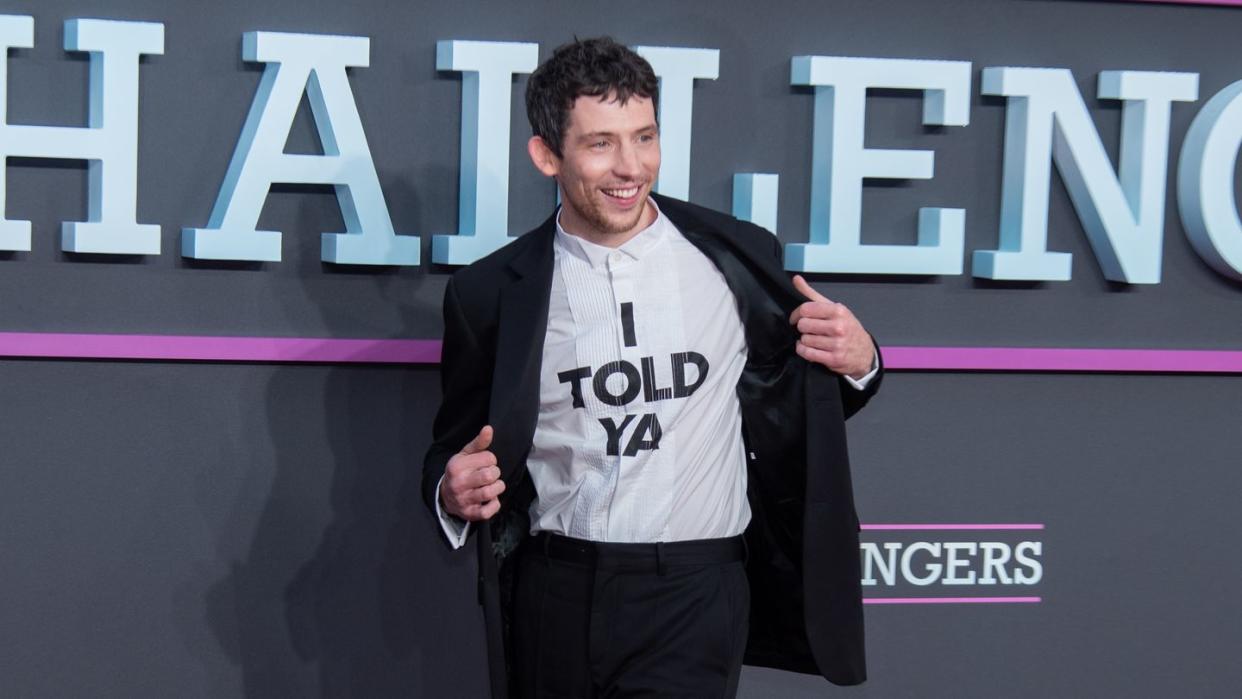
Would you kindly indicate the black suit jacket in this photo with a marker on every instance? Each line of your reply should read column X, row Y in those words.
column 804, row 567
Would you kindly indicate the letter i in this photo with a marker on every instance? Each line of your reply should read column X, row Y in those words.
column 627, row 324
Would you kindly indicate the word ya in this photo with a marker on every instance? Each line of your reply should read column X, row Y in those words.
column 1047, row 123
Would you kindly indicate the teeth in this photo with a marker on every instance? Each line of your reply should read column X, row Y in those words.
column 622, row 193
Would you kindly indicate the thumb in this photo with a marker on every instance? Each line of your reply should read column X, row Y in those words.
column 479, row 443
column 806, row 290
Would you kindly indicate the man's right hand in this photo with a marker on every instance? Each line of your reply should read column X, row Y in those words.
column 471, row 486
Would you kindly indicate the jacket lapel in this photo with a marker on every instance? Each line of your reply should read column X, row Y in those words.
column 521, row 328
column 763, row 294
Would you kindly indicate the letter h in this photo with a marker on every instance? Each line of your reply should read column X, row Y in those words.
column 110, row 138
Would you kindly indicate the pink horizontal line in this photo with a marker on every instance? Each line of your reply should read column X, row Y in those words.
column 218, row 349
column 946, row 527
column 951, row 600
column 410, row 351
column 1062, row 359
column 1190, row 2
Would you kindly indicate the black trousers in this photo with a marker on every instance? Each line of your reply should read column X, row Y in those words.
column 629, row 620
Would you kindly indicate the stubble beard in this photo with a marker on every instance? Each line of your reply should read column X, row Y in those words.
column 605, row 226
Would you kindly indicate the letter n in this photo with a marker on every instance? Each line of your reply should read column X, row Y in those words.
column 1122, row 212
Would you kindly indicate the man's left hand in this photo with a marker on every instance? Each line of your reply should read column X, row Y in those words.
column 831, row 335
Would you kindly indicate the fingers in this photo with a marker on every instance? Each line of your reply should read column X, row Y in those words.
column 832, row 354
column 472, row 504
column 471, row 469
column 478, row 477
column 844, row 356
column 489, row 510
column 491, row 492
column 480, row 443
column 467, row 472
column 836, row 355
column 825, row 343
column 811, row 354
column 472, row 486
column 482, row 494
column 481, row 512
column 804, row 288
column 816, row 306
column 836, row 327
column 829, row 334
column 821, row 310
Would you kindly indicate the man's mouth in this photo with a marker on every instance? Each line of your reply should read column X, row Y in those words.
column 623, row 194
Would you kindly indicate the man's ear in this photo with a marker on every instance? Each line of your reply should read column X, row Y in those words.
column 542, row 156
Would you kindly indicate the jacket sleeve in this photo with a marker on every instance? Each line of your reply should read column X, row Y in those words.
column 852, row 399
column 465, row 386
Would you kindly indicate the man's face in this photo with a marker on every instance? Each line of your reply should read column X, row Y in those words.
column 610, row 158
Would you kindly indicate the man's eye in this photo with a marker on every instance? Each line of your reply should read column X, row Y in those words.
column 599, row 145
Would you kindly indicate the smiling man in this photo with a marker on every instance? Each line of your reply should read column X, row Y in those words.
column 647, row 416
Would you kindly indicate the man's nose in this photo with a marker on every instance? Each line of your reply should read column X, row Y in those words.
column 627, row 163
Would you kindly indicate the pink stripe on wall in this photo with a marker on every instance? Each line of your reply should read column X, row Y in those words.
column 1190, row 2
column 951, row 600
column 215, row 348
column 1063, row 359
column 218, row 348
column 950, row 527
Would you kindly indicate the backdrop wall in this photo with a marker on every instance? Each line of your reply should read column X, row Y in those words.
column 228, row 529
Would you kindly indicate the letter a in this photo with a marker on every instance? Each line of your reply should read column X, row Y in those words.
column 316, row 65
column 649, row 427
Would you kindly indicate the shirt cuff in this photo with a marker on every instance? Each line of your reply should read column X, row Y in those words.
column 455, row 529
column 860, row 384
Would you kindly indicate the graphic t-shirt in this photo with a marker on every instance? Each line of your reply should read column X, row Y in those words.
column 639, row 435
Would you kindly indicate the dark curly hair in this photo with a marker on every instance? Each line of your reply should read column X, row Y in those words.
column 593, row 67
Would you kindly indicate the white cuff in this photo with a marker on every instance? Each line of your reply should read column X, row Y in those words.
column 455, row 529
column 861, row 384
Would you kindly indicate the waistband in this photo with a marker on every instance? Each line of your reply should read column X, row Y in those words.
column 658, row 556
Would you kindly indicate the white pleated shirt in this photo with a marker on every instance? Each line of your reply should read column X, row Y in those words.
column 639, row 430
column 639, row 435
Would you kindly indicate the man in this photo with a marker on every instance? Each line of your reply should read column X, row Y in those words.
column 628, row 389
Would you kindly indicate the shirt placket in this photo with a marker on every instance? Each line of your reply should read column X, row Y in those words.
column 589, row 293
column 623, row 279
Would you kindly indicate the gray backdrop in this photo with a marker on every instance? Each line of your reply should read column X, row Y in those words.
column 225, row 530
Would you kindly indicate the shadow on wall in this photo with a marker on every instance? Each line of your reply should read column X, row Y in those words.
column 381, row 608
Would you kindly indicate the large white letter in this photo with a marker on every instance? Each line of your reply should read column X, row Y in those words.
column 995, row 555
column 952, row 563
column 487, row 69
column 109, row 142
column 677, row 69
column 839, row 162
column 1022, row 556
column 1205, row 177
column 1123, row 216
column 316, row 65
column 933, row 569
column 872, row 561
column 754, row 198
